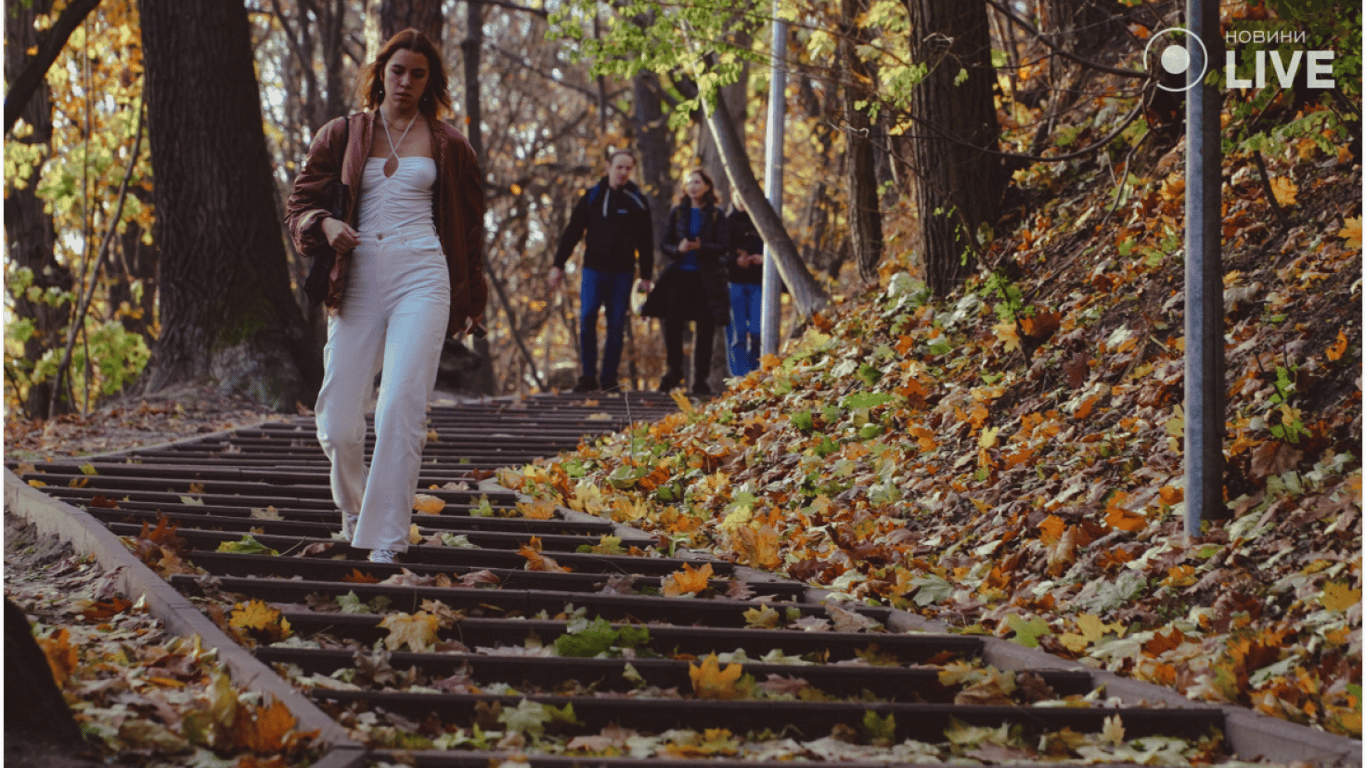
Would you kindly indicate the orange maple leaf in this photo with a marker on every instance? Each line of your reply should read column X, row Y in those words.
column 100, row 610
column 709, row 681
column 689, row 581
column 356, row 577
column 535, row 561
column 265, row 730
column 1041, row 325
column 1161, row 643
column 1338, row 349
column 61, row 655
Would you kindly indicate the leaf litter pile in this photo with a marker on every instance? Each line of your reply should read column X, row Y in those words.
column 138, row 693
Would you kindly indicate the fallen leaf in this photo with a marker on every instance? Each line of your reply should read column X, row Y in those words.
column 709, row 681
column 1351, row 232
column 1284, row 190
column 688, row 581
column 1339, row 597
column 1338, row 349
column 418, row 632
column 759, row 547
column 425, row 504
column 61, row 655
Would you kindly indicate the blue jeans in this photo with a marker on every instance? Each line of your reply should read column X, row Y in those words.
column 612, row 291
column 742, row 335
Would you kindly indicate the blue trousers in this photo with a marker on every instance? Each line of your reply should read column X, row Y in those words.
column 742, row 335
column 610, row 291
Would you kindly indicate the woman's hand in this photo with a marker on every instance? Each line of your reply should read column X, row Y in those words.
column 340, row 235
column 688, row 245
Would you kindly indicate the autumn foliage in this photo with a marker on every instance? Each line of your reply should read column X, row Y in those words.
column 1009, row 461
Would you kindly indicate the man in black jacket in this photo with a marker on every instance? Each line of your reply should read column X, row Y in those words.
column 615, row 214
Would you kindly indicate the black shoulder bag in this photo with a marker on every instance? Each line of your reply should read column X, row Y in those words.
column 315, row 287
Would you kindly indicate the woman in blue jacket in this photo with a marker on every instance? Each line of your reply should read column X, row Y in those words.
column 692, row 284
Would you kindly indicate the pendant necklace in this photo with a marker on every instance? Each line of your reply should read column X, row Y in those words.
column 391, row 165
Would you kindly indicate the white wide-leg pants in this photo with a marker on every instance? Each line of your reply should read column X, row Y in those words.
column 393, row 319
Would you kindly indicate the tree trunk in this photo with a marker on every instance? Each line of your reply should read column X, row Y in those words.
column 808, row 295
column 28, row 227
column 228, row 317
column 955, row 184
column 865, row 215
column 471, row 47
column 423, row 15
column 736, row 95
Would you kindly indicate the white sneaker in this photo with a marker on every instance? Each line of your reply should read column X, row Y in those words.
column 349, row 523
column 382, row 555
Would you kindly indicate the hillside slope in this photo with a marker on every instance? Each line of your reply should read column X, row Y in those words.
column 1009, row 460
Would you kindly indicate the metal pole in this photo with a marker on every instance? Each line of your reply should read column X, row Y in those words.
column 1204, row 458
column 771, row 296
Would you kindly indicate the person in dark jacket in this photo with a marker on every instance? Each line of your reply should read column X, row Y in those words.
column 692, row 284
column 615, row 215
column 745, row 270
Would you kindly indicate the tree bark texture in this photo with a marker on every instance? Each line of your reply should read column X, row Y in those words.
column 471, row 47
column 955, row 182
column 1080, row 26
column 865, row 215
column 423, row 15
column 228, row 317
column 28, row 227
column 807, row 294
column 654, row 147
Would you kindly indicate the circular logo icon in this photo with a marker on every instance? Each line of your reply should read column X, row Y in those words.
column 1174, row 55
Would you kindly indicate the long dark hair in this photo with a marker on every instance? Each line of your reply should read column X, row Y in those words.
column 709, row 198
column 435, row 100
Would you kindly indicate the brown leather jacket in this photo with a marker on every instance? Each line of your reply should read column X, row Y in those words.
column 457, row 208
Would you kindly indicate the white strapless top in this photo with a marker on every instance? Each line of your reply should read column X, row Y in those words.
column 398, row 201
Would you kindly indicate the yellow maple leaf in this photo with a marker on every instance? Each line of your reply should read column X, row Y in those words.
column 1284, row 191
column 425, row 504
column 688, row 581
column 263, row 621
column 1074, row 642
column 709, row 681
column 418, row 632
column 537, row 509
column 1351, row 232
column 1338, row 596
column 625, row 510
column 760, row 547
column 1008, row 335
column 987, row 437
